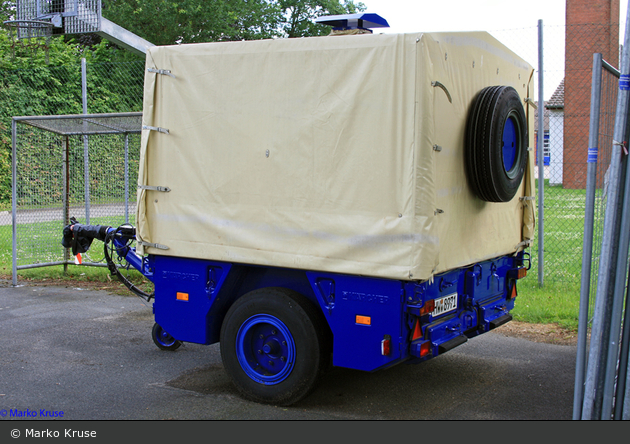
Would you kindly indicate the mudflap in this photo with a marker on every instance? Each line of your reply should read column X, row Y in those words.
column 500, row 321
column 451, row 344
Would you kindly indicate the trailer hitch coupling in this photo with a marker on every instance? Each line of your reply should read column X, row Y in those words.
column 79, row 237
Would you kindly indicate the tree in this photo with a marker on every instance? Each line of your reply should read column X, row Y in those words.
column 6, row 10
column 167, row 22
column 299, row 15
column 164, row 22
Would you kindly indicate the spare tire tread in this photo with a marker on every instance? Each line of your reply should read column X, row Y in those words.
column 485, row 170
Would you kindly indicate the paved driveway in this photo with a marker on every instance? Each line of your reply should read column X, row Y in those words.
column 89, row 354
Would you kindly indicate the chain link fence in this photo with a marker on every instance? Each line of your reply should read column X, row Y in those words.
column 41, row 167
column 85, row 167
column 118, row 87
column 567, row 60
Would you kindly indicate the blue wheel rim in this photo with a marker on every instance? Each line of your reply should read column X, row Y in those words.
column 265, row 349
column 164, row 338
column 510, row 149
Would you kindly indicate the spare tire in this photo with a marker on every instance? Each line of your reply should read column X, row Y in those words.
column 496, row 144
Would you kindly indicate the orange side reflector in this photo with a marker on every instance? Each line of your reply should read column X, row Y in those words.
column 363, row 320
column 182, row 296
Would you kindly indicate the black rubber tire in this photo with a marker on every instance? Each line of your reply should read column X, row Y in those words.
column 302, row 323
column 163, row 340
column 487, row 174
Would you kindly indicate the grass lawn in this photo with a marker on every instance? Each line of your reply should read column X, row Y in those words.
column 556, row 302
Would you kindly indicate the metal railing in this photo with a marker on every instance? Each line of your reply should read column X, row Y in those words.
column 602, row 384
column 603, row 95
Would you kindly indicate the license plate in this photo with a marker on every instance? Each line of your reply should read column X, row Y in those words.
column 445, row 304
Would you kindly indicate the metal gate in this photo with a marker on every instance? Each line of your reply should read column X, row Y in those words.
column 84, row 166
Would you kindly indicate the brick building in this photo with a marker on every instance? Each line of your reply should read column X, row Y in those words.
column 592, row 26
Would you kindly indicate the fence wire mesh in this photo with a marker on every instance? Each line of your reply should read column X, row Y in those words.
column 53, row 91
column 48, row 160
column 52, row 183
column 118, row 87
column 567, row 62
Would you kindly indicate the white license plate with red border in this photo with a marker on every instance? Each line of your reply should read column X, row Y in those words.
column 445, row 304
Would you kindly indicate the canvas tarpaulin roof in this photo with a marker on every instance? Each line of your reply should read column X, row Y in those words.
column 321, row 153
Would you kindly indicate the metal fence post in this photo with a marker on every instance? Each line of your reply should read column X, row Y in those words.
column 541, row 161
column 126, row 178
column 622, row 396
column 86, row 151
column 66, row 196
column 587, row 250
column 593, row 407
column 14, row 198
column 621, row 267
column 622, row 409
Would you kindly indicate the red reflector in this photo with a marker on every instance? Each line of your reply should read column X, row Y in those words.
column 513, row 291
column 428, row 307
column 386, row 346
column 417, row 331
column 425, row 349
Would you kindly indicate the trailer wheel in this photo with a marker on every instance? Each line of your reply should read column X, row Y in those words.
column 163, row 340
column 496, row 144
column 274, row 346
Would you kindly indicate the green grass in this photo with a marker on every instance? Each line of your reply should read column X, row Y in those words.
column 556, row 302
column 41, row 242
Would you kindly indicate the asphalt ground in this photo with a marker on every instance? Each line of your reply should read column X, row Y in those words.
column 89, row 354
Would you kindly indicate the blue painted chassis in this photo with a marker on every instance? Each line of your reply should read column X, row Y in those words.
column 394, row 307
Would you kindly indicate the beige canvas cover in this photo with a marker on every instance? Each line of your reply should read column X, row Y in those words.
column 321, row 153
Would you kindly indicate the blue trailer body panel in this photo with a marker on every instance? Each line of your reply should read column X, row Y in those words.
column 363, row 313
column 185, row 292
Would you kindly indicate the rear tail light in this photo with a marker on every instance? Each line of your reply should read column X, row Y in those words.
column 428, row 307
column 425, row 349
column 386, row 345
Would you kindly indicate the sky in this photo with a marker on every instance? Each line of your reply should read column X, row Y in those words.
column 515, row 24
column 469, row 15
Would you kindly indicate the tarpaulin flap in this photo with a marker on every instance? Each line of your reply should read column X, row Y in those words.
column 319, row 153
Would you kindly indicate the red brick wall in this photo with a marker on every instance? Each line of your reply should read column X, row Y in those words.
column 591, row 26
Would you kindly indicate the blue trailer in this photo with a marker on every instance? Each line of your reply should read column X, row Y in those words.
column 353, row 201
column 280, row 329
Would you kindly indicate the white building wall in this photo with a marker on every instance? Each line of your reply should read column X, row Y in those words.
column 556, row 146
